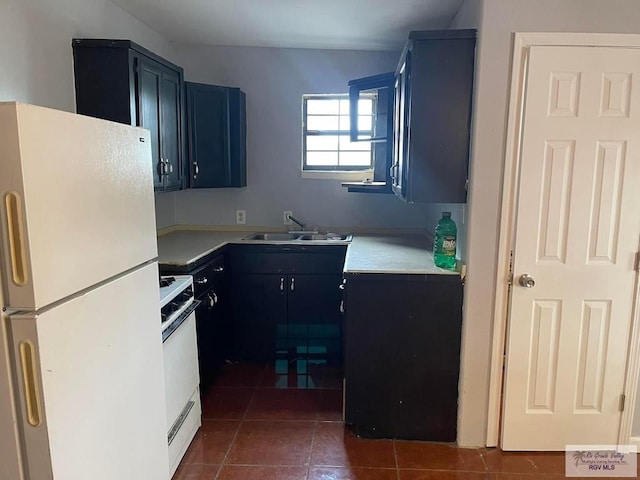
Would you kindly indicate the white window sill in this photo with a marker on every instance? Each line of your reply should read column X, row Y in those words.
column 332, row 175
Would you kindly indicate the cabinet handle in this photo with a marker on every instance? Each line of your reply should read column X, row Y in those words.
column 218, row 269
column 293, row 284
column 215, row 298
column 196, row 170
column 164, row 167
column 169, row 167
column 341, row 306
column 282, row 284
column 202, row 281
column 161, row 168
column 212, row 299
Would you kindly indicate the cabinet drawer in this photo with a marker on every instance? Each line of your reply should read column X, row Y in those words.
column 287, row 259
column 209, row 275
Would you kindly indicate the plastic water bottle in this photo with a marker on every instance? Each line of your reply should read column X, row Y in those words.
column 444, row 242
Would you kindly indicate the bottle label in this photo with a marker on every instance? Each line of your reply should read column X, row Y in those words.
column 449, row 245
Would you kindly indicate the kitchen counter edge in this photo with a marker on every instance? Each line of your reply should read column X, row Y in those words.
column 366, row 253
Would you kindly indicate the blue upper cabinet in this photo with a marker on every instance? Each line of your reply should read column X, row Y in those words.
column 121, row 81
column 216, row 131
column 432, row 117
column 427, row 135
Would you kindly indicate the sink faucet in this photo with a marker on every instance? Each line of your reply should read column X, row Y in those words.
column 296, row 221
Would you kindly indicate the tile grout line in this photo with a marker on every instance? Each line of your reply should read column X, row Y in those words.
column 235, row 436
column 395, row 456
column 313, row 439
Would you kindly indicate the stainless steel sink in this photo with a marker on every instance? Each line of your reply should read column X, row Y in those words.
column 326, row 236
column 267, row 237
column 297, row 236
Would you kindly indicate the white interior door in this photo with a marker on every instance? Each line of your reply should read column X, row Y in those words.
column 577, row 232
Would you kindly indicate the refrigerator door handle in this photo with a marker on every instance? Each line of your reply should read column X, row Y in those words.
column 31, row 391
column 15, row 229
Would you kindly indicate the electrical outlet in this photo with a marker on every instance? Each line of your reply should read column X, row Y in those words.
column 285, row 217
column 241, row 217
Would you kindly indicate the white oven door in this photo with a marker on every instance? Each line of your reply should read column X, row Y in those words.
column 181, row 376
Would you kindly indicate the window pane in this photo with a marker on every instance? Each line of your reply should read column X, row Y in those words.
column 322, row 106
column 346, row 144
column 331, row 115
column 316, row 159
column 322, row 123
column 365, row 106
column 355, row 158
column 364, row 123
column 322, row 142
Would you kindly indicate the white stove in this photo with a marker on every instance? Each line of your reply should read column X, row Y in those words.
column 176, row 296
column 179, row 345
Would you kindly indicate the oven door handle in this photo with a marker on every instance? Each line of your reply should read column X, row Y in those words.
column 173, row 326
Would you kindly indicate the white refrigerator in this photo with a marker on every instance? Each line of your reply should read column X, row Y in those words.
column 81, row 368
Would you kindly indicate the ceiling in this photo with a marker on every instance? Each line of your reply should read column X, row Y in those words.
column 330, row 24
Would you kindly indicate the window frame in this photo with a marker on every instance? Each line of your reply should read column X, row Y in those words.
column 333, row 171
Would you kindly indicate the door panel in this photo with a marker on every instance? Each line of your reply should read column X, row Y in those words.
column 260, row 306
column 314, row 319
column 208, row 137
column 148, row 91
column 577, row 233
column 401, row 128
column 170, row 121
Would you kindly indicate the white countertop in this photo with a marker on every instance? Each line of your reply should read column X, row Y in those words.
column 400, row 254
column 404, row 254
column 183, row 247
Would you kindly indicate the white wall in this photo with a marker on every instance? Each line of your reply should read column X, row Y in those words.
column 498, row 20
column 472, row 401
column 35, row 45
column 274, row 80
column 36, row 54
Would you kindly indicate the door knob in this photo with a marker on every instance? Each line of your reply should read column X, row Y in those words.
column 526, row 281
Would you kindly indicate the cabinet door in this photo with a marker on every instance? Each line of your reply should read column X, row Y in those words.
column 402, row 355
column 170, row 133
column 208, row 126
column 207, row 319
column 361, row 91
column 314, row 319
column 260, row 315
column 217, row 136
column 401, row 127
column 148, row 90
column 440, row 96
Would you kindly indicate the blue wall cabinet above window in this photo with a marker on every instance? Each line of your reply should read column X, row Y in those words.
column 217, row 132
column 432, row 117
column 119, row 80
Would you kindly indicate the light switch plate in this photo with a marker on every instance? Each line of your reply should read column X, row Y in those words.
column 241, row 217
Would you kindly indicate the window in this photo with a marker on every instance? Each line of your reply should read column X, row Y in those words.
column 326, row 144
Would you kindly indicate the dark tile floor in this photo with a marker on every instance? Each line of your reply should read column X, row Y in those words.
column 258, row 425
